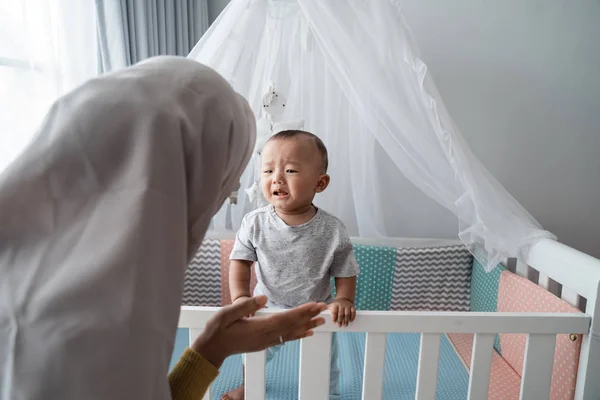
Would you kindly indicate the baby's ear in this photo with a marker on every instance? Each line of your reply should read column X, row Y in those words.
column 323, row 183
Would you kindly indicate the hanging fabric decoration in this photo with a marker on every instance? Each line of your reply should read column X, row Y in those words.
column 353, row 75
column 273, row 106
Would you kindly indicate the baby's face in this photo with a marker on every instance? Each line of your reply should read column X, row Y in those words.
column 291, row 172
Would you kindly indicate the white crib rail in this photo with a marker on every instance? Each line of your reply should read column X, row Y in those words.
column 315, row 352
column 575, row 277
column 193, row 334
column 429, row 356
column 537, row 366
column 254, row 375
column 374, row 364
column 481, row 363
column 315, row 362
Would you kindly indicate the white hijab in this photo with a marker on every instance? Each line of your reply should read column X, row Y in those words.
column 98, row 221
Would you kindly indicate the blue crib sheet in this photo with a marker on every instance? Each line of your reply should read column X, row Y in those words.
column 402, row 355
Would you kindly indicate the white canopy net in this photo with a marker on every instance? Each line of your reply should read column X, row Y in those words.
column 349, row 71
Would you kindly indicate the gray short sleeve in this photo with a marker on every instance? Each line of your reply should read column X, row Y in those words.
column 344, row 263
column 243, row 248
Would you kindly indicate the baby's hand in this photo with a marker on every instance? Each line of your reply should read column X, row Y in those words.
column 342, row 312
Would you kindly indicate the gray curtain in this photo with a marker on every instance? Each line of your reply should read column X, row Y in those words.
column 132, row 30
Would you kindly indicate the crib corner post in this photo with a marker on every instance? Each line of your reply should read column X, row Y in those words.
column 588, row 384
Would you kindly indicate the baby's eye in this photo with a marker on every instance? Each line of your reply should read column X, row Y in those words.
column 291, row 171
column 267, row 171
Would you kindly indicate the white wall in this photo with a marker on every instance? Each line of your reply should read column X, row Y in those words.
column 521, row 78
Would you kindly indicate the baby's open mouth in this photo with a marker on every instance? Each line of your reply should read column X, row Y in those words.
column 280, row 193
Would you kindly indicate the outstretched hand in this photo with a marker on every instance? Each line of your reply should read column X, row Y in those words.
column 230, row 331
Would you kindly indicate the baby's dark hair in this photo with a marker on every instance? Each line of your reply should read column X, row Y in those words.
column 289, row 134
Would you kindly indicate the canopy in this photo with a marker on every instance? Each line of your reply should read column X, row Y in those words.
column 351, row 72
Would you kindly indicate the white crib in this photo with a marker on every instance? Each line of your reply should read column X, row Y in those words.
column 571, row 274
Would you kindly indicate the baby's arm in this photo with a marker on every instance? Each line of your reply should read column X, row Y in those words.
column 345, row 269
column 345, row 288
column 342, row 309
column 242, row 257
column 239, row 279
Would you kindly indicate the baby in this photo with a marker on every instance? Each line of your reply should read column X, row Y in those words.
column 297, row 247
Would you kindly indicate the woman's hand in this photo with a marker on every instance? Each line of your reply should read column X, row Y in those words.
column 230, row 331
column 243, row 298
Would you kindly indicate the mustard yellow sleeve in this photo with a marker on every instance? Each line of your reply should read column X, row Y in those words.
column 191, row 377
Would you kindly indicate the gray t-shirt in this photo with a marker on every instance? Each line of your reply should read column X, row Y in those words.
column 295, row 263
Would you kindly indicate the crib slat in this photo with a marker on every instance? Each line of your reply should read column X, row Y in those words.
column 537, row 366
column 254, row 382
column 481, row 363
column 570, row 296
column 193, row 334
column 429, row 355
column 522, row 269
column 544, row 281
column 315, row 361
column 374, row 364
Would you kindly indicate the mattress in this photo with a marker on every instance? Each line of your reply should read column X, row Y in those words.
column 402, row 355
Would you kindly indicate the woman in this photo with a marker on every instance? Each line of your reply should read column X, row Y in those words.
column 98, row 220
